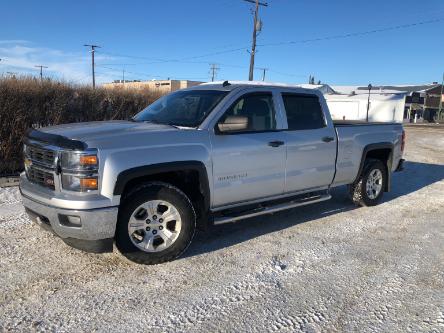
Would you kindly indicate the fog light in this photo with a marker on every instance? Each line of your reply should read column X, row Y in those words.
column 70, row 220
column 74, row 220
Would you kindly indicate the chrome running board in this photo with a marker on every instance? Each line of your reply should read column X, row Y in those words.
column 271, row 209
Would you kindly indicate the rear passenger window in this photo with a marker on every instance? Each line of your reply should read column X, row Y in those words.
column 303, row 112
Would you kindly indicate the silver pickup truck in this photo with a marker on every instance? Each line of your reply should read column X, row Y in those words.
column 212, row 154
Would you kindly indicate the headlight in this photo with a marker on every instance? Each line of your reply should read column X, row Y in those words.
column 79, row 161
column 79, row 183
column 79, row 171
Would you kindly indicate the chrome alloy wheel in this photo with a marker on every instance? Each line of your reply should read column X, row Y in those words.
column 154, row 226
column 374, row 184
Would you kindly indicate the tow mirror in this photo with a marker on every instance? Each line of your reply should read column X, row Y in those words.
column 233, row 124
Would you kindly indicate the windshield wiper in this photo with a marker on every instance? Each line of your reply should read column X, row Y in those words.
column 162, row 123
column 153, row 121
column 172, row 125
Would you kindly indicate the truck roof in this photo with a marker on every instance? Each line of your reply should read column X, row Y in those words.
column 231, row 85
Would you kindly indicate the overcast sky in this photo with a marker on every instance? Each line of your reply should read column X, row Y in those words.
column 339, row 42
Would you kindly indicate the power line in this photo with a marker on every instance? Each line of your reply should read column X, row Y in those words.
column 132, row 56
column 232, row 50
column 150, row 75
column 354, row 34
column 332, row 37
column 119, row 70
column 93, row 48
column 128, row 72
column 286, row 74
column 80, row 79
column 181, row 59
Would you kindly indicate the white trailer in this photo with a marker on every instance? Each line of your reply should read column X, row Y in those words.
column 384, row 106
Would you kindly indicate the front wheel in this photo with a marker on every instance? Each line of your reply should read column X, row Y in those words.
column 369, row 188
column 156, row 224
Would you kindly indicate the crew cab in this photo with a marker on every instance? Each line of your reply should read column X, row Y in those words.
column 212, row 154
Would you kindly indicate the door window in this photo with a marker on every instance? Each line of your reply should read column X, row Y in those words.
column 303, row 112
column 257, row 108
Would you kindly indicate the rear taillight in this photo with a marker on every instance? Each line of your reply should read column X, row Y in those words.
column 403, row 141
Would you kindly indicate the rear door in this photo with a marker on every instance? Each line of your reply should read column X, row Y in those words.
column 311, row 143
column 249, row 164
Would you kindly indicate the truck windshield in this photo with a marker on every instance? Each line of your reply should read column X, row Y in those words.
column 182, row 108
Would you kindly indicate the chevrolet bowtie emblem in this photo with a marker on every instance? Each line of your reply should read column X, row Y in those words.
column 28, row 162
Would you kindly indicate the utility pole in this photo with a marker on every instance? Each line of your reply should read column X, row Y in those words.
column 441, row 97
column 213, row 71
column 255, row 29
column 368, row 102
column 123, row 77
column 264, row 70
column 93, row 49
column 41, row 71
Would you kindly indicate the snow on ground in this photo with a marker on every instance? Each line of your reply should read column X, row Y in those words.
column 327, row 267
column 12, row 213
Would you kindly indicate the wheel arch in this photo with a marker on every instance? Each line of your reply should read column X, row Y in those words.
column 382, row 151
column 183, row 174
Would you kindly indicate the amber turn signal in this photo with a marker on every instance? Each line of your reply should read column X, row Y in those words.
column 88, row 160
column 88, row 183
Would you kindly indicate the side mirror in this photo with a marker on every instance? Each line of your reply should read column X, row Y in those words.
column 233, row 124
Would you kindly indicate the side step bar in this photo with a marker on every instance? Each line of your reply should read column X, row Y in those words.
column 272, row 209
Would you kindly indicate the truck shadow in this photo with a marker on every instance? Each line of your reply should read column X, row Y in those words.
column 415, row 176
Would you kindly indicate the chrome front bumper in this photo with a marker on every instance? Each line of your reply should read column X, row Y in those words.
column 77, row 227
column 70, row 223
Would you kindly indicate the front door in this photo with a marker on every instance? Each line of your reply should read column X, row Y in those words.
column 248, row 163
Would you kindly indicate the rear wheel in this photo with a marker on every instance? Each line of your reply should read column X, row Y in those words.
column 369, row 188
column 156, row 224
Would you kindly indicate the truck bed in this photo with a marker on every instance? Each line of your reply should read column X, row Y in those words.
column 354, row 136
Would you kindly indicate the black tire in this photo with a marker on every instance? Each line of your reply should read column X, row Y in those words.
column 145, row 193
column 357, row 191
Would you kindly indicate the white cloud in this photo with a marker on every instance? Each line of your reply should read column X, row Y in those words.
column 13, row 41
column 22, row 56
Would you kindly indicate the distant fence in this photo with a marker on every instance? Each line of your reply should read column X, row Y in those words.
column 26, row 102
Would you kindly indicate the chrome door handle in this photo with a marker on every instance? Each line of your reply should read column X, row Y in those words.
column 328, row 138
column 276, row 143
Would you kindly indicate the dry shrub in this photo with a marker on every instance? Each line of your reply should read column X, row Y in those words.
column 26, row 102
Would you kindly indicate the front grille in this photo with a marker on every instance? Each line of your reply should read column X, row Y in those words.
column 40, row 177
column 41, row 155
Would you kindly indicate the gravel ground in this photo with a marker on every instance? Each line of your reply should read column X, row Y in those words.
column 327, row 267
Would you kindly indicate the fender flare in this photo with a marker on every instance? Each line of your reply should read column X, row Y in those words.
column 373, row 147
column 147, row 170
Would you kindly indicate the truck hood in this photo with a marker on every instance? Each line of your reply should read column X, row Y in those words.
column 105, row 131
